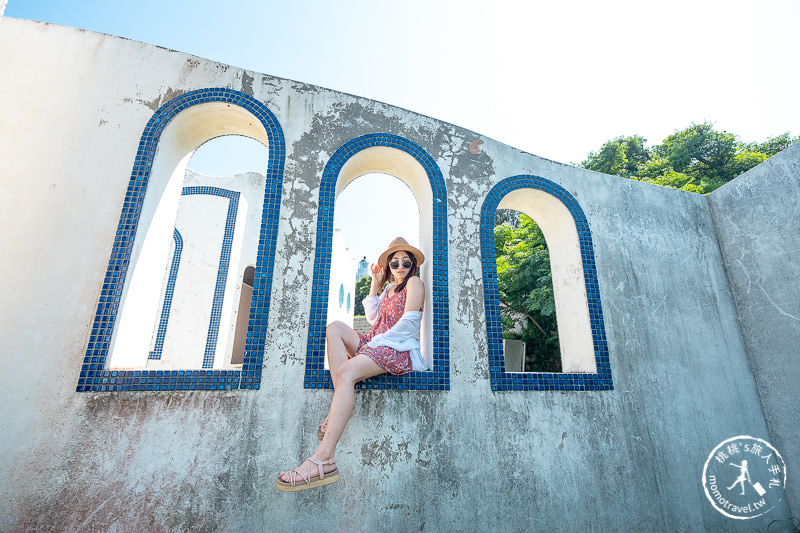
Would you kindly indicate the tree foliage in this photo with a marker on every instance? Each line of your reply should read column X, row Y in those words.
column 697, row 159
column 362, row 291
column 623, row 156
column 526, row 291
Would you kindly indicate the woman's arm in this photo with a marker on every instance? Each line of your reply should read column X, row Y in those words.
column 415, row 294
column 378, row 278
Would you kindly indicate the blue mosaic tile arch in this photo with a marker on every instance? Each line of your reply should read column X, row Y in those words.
column 500, row 379
column 316, row 377
column 94, row 375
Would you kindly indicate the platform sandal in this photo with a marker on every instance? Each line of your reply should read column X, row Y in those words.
column 321, row 479
column 324, row 427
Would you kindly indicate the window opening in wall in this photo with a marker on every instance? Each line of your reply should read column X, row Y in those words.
column 371, row 211
column 394, row 155
column 527, row 303
column 214, row 223
column 584, row 351
column 119, row 344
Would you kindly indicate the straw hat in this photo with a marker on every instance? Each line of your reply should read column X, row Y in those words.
column 401, row 244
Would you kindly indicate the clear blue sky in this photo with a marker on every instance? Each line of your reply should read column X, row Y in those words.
column 555, row 78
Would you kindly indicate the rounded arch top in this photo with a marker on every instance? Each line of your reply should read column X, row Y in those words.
column 513, row 193
column 219, row 111
column 386, row 153
column 202, row 122
column 386, row 160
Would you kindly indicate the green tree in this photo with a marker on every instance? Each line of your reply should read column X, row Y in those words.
column 697, row 159
column 773, row 145
column 623, row 156
column 526, row 292
column 362, row 291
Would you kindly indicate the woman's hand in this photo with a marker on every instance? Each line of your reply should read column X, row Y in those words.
column 378, row 278
column 375, row 271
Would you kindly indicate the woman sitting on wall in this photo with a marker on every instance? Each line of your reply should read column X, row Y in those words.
column 392, row 345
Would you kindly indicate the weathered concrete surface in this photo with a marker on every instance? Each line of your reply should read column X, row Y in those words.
column 465, row 459
column 758, row 223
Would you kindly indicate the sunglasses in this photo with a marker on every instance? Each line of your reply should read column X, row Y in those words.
column 395, row 265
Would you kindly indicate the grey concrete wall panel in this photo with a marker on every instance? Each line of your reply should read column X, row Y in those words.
column 757, row 217
column 74, row 105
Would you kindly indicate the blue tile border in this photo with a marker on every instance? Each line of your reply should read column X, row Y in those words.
column 500, row 379
column 169, row 291
column 94, row 376
column 316, row 377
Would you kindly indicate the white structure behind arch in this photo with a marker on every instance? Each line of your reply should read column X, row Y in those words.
column 569, row 283
column 342, row 278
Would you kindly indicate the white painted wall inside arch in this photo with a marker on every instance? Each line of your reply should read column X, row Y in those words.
column 342, row 279
column 201, row 223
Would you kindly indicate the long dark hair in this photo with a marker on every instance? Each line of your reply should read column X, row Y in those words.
column 411, row 271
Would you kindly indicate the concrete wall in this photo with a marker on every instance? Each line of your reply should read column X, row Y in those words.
column 74, row 105
column 758, row 221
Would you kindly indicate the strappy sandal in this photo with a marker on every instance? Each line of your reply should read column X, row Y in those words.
column 324, row 427
column 322, row 479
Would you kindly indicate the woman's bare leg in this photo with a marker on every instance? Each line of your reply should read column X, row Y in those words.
column 342, row 344
column 349, row 373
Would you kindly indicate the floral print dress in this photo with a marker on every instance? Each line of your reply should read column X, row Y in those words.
column 389, row 312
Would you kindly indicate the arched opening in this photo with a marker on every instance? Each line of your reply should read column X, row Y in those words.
column 371, row 211
column 405, row 168
column 571, row 307
column 581, row 332
column 527, row 302
column 189, row 319
column 398, row 157
column 172, row 134
column 342, row 279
